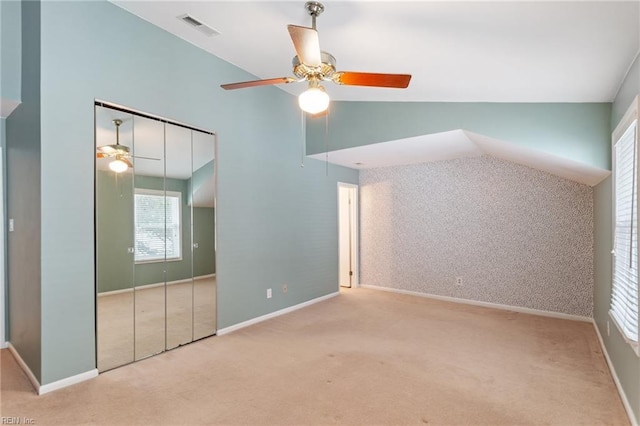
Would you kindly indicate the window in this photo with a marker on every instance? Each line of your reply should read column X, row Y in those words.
column 624, row 294
column 158, row 233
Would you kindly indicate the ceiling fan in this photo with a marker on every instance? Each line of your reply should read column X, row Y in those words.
column 120, row 153
column 313, row 65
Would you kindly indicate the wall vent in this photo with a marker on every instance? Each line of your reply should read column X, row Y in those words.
column 198, row 25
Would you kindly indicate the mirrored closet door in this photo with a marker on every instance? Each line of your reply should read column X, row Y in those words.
column 155, row 235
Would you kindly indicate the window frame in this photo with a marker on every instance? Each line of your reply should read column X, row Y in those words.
column 164, row 194
column 630, row 118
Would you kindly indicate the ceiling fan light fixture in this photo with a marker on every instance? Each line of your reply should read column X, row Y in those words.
column 314, row 100
column 118, row 166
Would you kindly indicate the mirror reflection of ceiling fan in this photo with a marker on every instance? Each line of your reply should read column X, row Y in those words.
column 313, row 65
column 120, row 153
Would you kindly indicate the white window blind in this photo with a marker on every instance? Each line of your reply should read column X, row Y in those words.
column 624, row 297
column 157, row 225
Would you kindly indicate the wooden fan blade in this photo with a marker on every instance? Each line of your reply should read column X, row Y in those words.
column 348, row 78
column 254, row 83
column 307, row 45
column 106, row 149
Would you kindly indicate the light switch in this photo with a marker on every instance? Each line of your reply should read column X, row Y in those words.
column 10, row 225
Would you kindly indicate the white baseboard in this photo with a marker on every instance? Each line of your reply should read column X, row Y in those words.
column 25, row 367
column 148, row 286
column 256, row 320
column 68, row 381
column 623, row 396
column 483, row 304
column 49, row 387
column 4, row 345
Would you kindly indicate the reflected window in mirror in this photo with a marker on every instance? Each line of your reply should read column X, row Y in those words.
column 158, row 228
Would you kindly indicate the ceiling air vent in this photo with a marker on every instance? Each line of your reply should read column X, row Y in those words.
column 198, row 25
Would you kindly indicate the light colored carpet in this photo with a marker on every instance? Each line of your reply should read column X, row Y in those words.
column 363, row 358
column 190, row 315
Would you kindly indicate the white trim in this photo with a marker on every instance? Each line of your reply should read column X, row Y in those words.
column 634, row 345
column 68, row 381
column 623, row 396
column 355, row 236
column 483, row 304
column 4, row 345
column 50, row 387
column 25, row 367
column 256, row 320
column 147, row 286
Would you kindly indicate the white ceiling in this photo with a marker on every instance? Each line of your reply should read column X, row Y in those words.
column 503, row 51
column 459, row 51
column 460, row 144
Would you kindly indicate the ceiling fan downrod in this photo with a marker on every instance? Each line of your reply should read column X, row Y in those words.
column 117, row 122
column 315, row 9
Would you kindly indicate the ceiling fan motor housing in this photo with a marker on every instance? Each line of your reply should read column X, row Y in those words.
column 322, row 72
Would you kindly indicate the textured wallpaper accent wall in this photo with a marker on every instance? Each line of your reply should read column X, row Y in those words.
column 517, row 236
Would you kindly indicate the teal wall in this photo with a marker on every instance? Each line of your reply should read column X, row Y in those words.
column 625, row 361
column 204, row 258
column 277, row 222
column 23, row 161
column 114, row 230
column 10, row 49
column 201, row 176
column 574, row 131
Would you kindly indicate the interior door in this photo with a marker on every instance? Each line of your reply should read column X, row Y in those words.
column 204, row 258
column 347, row 239
column 149, row 228
column 114, row 245
column 179, row 216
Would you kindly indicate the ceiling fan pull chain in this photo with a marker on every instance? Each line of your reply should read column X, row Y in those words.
column 326, row 139
column 302, row 138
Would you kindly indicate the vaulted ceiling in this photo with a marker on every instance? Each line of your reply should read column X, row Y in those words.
column 458, row 51
column 514, row 51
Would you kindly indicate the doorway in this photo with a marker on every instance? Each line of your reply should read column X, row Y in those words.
column 348, row 234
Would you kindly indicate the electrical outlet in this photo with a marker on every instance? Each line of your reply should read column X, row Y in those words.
column 608, row 331
column 268, row 293
column 284, row 288
column 458, row 280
